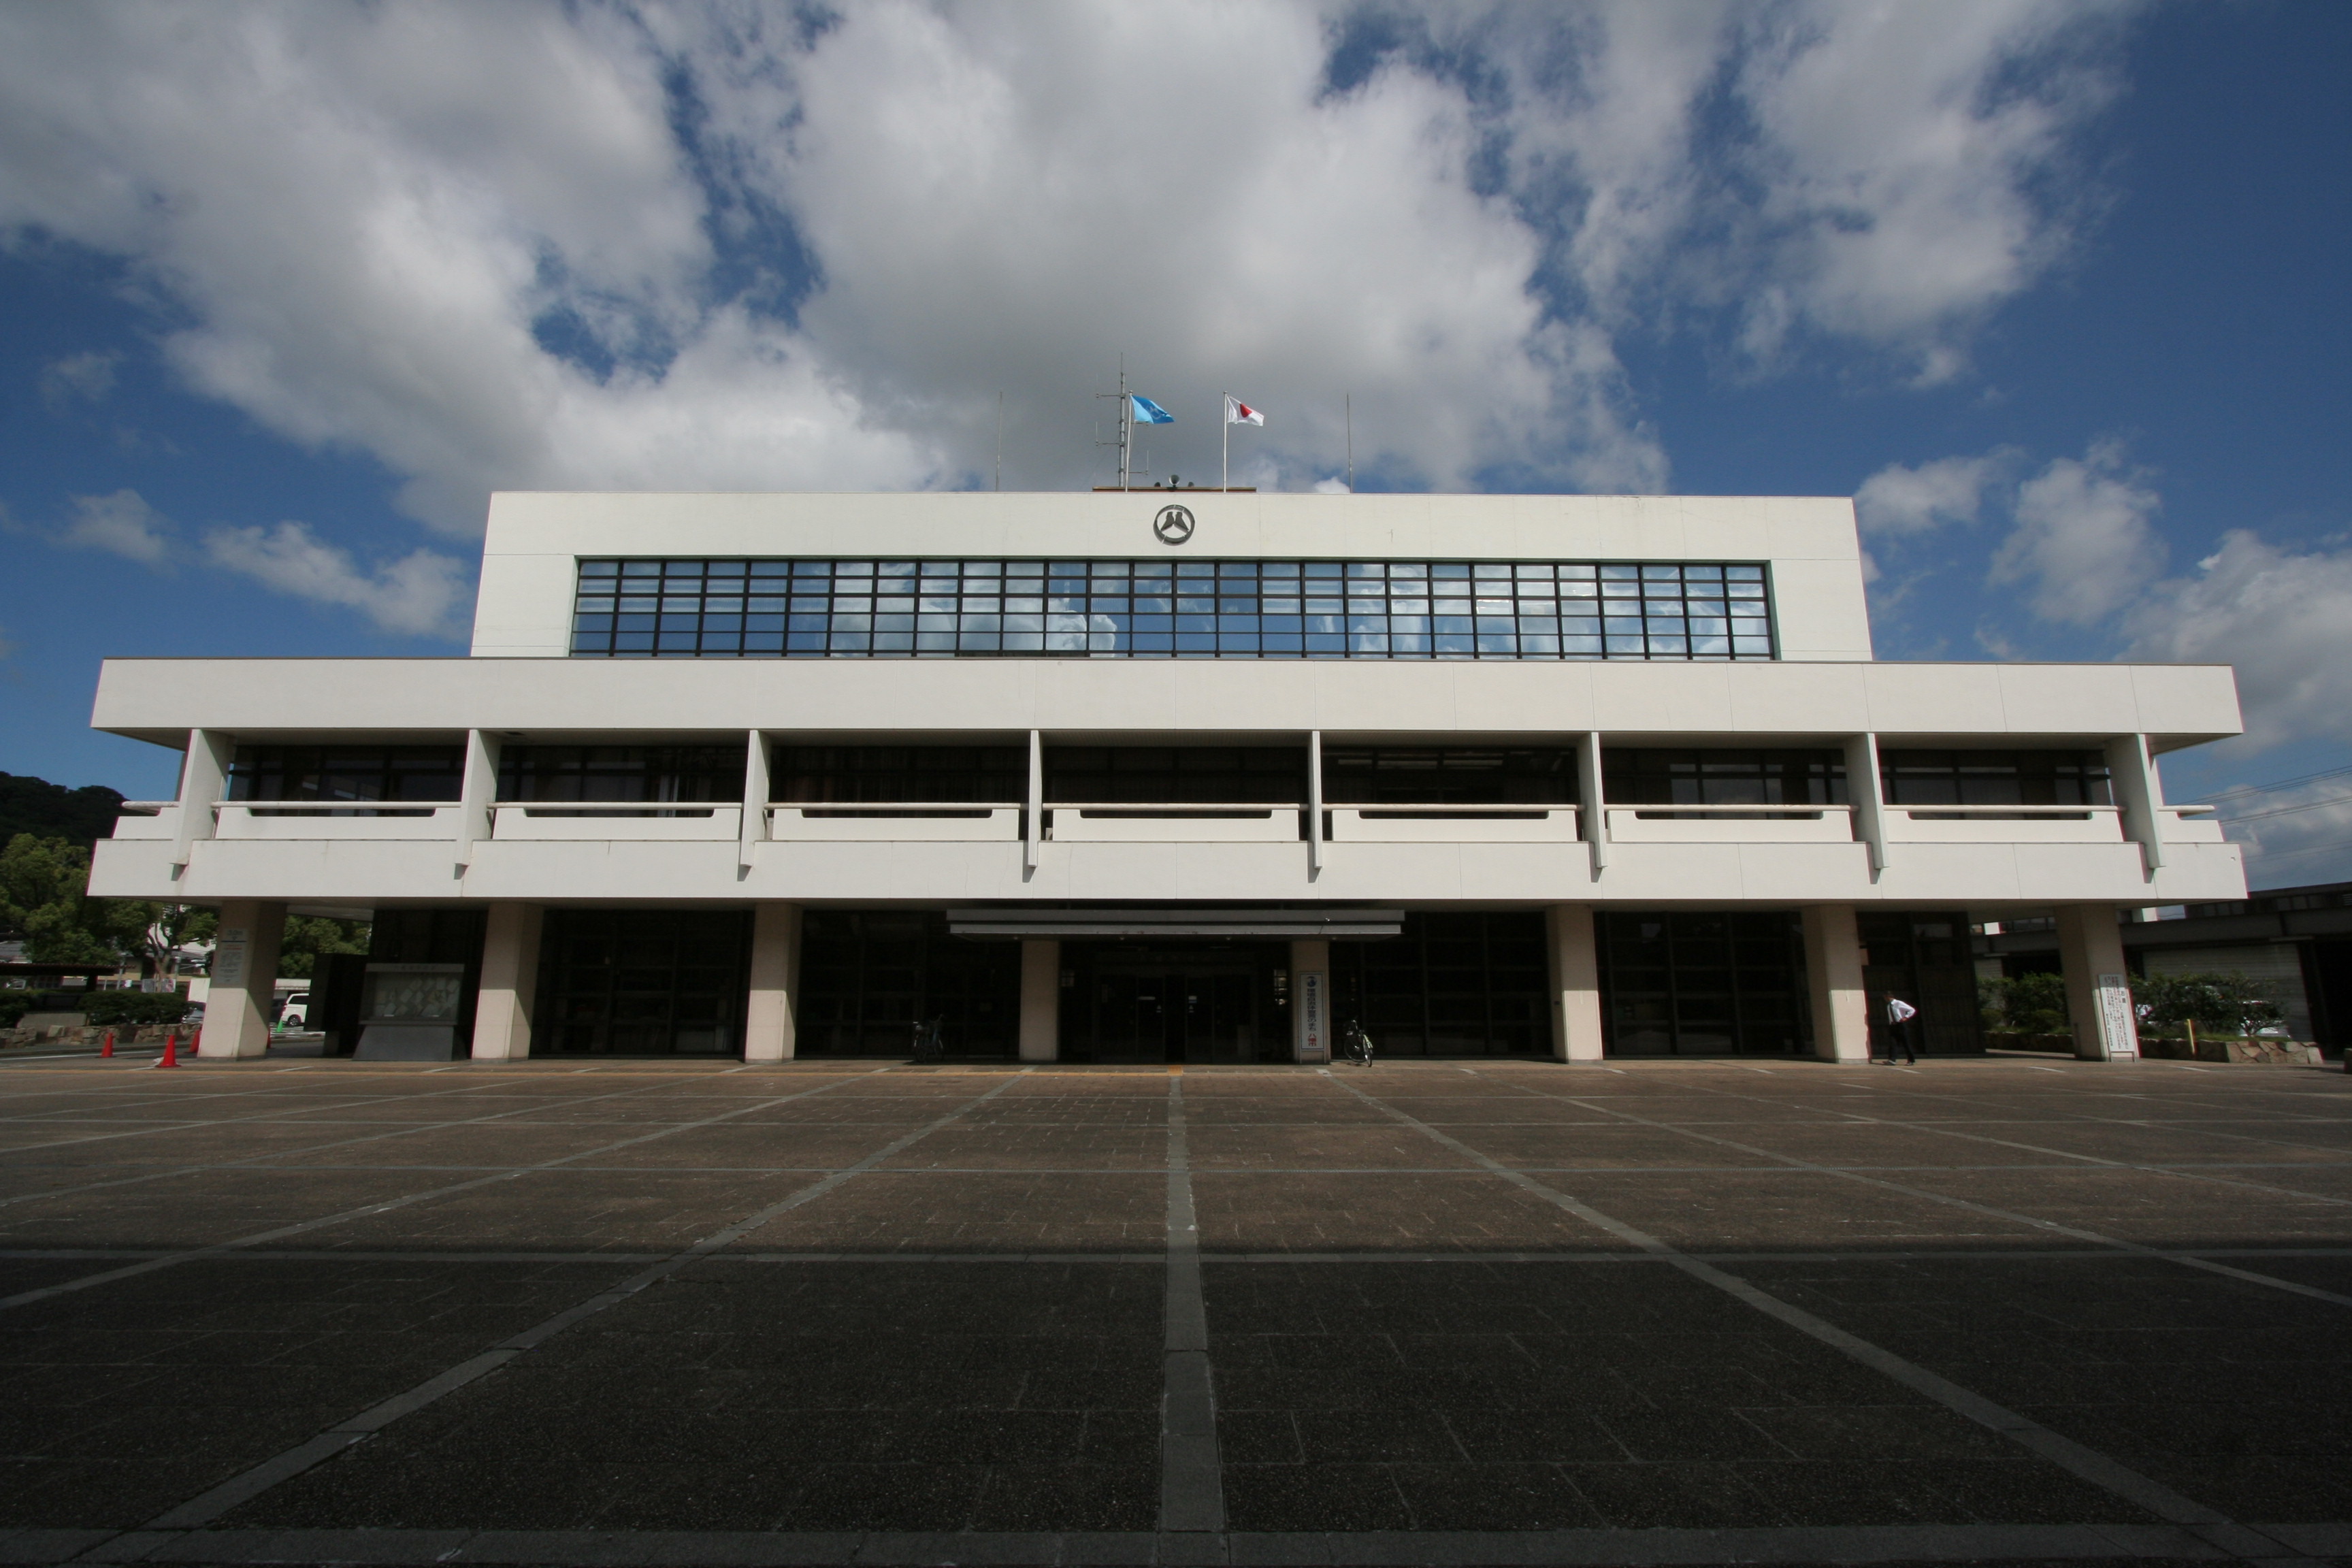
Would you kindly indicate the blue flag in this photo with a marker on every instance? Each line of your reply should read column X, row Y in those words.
column 1150, row 413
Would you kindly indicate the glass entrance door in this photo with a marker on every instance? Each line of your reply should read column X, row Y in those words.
column 1159, row 1004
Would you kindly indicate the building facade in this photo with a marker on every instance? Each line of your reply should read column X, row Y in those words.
column 1155, row 776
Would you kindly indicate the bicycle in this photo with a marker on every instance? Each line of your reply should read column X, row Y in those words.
column 1355, row 1045
column 927, row 1043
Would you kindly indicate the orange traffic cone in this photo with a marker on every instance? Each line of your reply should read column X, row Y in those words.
column 106, row 1047
column 171, row 1058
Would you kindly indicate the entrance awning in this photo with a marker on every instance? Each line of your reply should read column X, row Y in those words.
column 1293, row 925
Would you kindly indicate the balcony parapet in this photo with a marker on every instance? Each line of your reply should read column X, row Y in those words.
column 1388, row 824
column 860, row 822
column 1175, row 822
column 608, row 821
column 282, row 819
column 1663, row 823
column 2004, row 824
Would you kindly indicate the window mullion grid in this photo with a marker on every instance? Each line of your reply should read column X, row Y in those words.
column 723, row 608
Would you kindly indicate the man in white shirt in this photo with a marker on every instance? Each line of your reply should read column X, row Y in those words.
column 1899, row 1014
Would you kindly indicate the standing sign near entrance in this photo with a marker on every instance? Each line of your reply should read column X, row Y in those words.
column 1314, row 1024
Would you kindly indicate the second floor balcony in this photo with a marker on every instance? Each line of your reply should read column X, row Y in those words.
column 772, row 816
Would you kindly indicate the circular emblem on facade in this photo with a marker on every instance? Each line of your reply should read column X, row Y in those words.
column 1173, row 526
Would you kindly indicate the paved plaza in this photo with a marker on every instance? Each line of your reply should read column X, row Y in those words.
column 2000, row 1310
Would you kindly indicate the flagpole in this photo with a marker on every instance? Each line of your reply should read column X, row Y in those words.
column 1225, row 469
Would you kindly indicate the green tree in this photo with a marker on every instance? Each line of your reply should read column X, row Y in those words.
column 43, row 904
column 170, row 927
column 2223, row 1003
column 309, row 939
column 2030, row 1004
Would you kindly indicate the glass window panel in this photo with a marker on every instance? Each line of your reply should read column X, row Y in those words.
column 704, row 611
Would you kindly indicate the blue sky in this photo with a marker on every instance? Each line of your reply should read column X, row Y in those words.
column 2057, row 289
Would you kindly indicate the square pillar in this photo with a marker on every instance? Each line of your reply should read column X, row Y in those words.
column 1833, row 978
column 770, row 1034
column 244, row 968
column 509, row 985
column 1575, row 983
column 2098, row 985
column 1310, row 1001
column 1041, row 1000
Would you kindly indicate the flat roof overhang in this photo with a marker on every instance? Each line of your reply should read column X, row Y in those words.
column 1294, row 924
column 1626, row 701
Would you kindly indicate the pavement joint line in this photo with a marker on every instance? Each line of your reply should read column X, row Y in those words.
column 341, row 1255
column 2093, row 1158
column 255, row 1161
column 26, row 1298
column 2186, row 1173
column 2186, row 1260
column 149, row 1131
column 2077, row 1459
column 1585, row 1548
column 1191, row 1478
column 1220, row 1171
column 210, row 1505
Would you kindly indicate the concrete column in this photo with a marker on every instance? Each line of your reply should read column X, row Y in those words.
column 510, row 988
column 1575, row 983
column 1310, row 1001
column 2098, row 985
column 1314, row 804
column 2140, row 793
column 244, row 964
column 477, row 796
column 756, row 790
column 1833, row 976
column 1032, row 819
column 1591, row 803
column 1041, row 1000
column 1866, row 789
column 770, row 1034
column 203, row 779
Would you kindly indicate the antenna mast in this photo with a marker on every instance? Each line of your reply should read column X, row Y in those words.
column 1351, row 442
column 1126, row 421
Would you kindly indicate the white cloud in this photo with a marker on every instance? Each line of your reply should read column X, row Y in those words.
column 1896, row 148
column 2293, row 836
column 2282, row 617
column 122, row 523
column 88, row 376
column 418, row 594
column 2083, row 539
column 540, row 245
column 1899, row 500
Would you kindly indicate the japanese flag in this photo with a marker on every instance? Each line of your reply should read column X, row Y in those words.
column 1240, row 412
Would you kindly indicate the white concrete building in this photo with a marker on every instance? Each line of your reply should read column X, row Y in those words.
column 1134, row 775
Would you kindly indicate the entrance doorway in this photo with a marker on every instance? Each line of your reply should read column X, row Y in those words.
column 1194, row 1002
